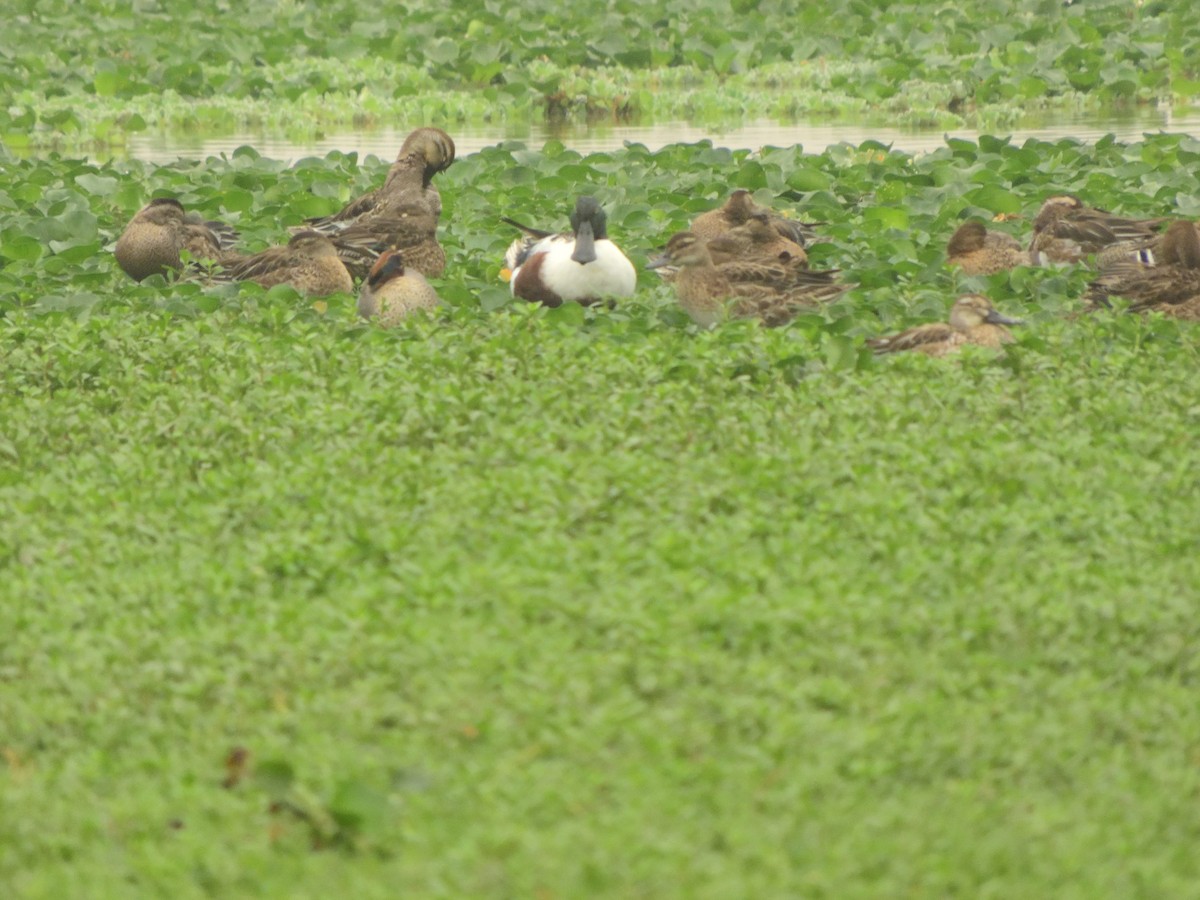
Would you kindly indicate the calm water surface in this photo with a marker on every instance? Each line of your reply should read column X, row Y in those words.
column 815, row 137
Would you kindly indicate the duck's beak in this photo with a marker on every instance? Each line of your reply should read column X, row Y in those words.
column 659, row 261
column 995, row 318
column 585, row 244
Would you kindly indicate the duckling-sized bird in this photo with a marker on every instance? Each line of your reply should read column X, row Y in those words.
column 738, row 210
column 309, row 263
column 1066, row 231
column 424, row 153
column 391, row 292
column 155, row 236
column 407, row 226
column 767, row 291
column 978, row 251
column 973, row 320
column 583, row 265
column 1171, row 285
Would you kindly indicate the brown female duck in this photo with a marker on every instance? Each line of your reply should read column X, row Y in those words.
column 407, row 226
column 755, row 239
column 1171, row 285
column 390, row 292
column 425, row 152
column 1066, row 231
column 978, row 251
column 738, row 210
column 973, row 320
column 772, row 292
column 309, row 263
column 160, row 231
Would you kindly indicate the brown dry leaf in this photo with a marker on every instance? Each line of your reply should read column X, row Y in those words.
column 237, row 763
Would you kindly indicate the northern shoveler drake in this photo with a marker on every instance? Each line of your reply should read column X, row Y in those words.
column 424, row 153
column 1169, row 285
column 155, row 236
column 978, row 251
column 1066, row 231
column 407, row 226
column 309, row 263
column 738, row 210
column 390, row 292
column 771, row 291
column 973, row 320
column 582, row 265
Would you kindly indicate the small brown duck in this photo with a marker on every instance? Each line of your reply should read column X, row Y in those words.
column 424, row 153
column 973, row 320
column 770, row 292
column 738, row 210
column 1066, row 231
column 1170, row 285
column 309, row 263
column 391, row 293
column 756, row 238
column 407, row 226
column 155, row 236
column 978, row 251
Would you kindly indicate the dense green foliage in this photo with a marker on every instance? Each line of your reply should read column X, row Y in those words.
column 516, row 602
column 98, row 71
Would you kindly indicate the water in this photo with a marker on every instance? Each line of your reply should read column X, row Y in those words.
column 815, row 137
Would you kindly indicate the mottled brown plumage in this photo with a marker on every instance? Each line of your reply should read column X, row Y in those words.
column 973, row 320
column 390, row 293
column 772, row 292
column 738, row 210
column 309, row 263
column 407, row 227
column 1171, row 285
column 754, row 239
column 978, row 251
column 1066, row 231
column 155, row 236
column 425, row 152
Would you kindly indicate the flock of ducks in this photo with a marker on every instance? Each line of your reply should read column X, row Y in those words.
column 741, row 260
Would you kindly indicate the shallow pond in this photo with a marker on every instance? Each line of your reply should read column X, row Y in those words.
column 814, row 136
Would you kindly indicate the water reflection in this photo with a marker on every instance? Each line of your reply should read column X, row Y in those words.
column 815, row 137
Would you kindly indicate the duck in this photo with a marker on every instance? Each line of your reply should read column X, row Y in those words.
column 756, row 238
column 1066, row 231
column 424, row 153
column 581, row 265
column 738, row 209
column 309, row 263
column 154, row 238
column 407, row 226
column 973, row 320
column 978, row 251
column 1170, row 284
column 391, row 292
column 771, row 292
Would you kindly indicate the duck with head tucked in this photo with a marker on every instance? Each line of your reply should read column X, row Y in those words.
column 772, row 292
column 390, row 292
column 738, row 210
column 154, row 238
column 1066, row 231
column 581, row 265
column 1169, row 284
column 973, row 320
column 309, row 263
column 978, row 251
column 425, row 152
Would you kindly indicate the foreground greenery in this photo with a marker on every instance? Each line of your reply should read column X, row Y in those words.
column 93, row 73
column 517, row 602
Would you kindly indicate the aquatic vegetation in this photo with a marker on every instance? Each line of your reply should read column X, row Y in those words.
column 516, row 601
column 91, row 74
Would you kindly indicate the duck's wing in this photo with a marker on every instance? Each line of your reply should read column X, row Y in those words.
column 531, row 240
column 914, row 338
